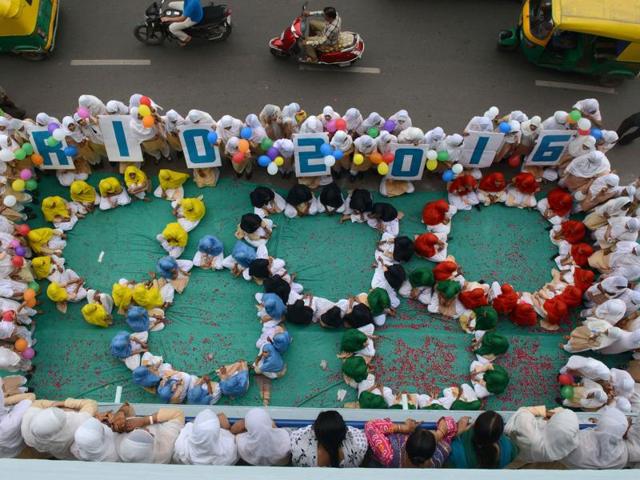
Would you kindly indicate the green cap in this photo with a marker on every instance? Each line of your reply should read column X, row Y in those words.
column 493, row 343
column 449, row 288
column 371, row 400
column 462, row 405
column 496, row 380
column 378, row 299
column 353, row 340
column 486, row 318
column 421, row 277
column 355, row 368
column 434, row 406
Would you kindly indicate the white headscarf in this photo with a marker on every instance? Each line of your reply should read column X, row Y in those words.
column 411, row 136
column 614, row 207
column 198, row 117
column 135, row 447
column 94, row 442
column 328, row 111
column 285, row 147
column 354, row 120
column 604, row 183
column 342, row 141
column 492, row 113
column 365, row 144
column 312, row 125
column 603, row 446
column 11, row 443
column 289, row 112
column 611, row 311
column 519, row 116
column 116, row 107
column 373, row 120
column 587, row 367
column 589, row 165
column 141, row 132
column 558, row 121
column 203, row 442
column 615, row 284
column 541, row 440
column 433, row 138
column 228, row 127
column 171, row 121
column 42, row 119
column 581, row 145
column 402, row 119
column 263, row 444
column 51, row 430
column 532, row 127
column 480, row 124
column 609, row 139
column 258, row 132
column 76, row 133
column 589, row 106
column 384, row 140
column 269, row 114
column 622, row 382
column 231, row 145
column 93, row 104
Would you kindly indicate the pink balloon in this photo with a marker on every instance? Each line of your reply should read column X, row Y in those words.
column 25, row 174
column 331, row 126
column 83, row 112
column 14, row 244
column 29, row 353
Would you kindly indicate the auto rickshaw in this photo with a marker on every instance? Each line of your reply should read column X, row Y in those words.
column 596, row 37
column 28, row 27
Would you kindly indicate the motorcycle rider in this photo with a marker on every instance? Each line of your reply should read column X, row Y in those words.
column 324, row 34
column 192, row 14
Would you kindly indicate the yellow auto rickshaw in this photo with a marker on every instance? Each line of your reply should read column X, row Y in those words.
column 596, row 37
column 28, row 27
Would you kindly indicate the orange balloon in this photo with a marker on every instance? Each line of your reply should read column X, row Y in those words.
column 21, row 345
column 148, row 121
column 29, row 293
column 375, row 158
column 37, row 159
column 30, row 303
column 243, row 145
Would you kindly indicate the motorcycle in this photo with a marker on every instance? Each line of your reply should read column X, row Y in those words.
column 215, row 25
column 350, row 45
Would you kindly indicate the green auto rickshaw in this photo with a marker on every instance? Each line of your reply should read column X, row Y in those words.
column 28, row 27
column 595, row 37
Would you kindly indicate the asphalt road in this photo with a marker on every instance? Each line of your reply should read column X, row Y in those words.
column 437, row 58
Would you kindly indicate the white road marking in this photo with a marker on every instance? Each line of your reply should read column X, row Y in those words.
column 329, row 68
column 111, row 62
column 575, row 86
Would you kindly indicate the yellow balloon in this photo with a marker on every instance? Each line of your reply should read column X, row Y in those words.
column 144, row 110
column 279, row 161
column 358, row 159
column 18, row 185
column 432, row 165
column 383, row 168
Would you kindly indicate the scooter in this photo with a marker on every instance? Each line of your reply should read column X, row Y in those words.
column 289, row 44
column 215, row 25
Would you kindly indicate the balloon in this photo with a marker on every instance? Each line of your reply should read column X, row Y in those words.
column 596, row 133
column 29, row 293
column 212, row 138
column 31, row 303
column 337, row 154
column 504, row 127
column 432, row 155
column 8, row 315
column 9, row 201
column 145, row 101
column 266, row 143
column 23, row 229
column 329, row 160
column 18, row 185
column 457, row 169
column 84, row 113
column 6, row 155
column 388, row 157
column 514, row 161
column 272, row 169
column 565, row 379
column 148, row 121
column 279, row 161
column 243, row 145
column 37, row 159
column 447, row 176
column 20, row 250
column 383, row 168
column 273, row 153
column 29, row 353
column 25, row 174
column 389, row 126
column 17, row 261
column 375, row 158
column 373, row 132
column 28, row 148
column 246, row 133
column 70, row 151
column 584, row 124
column 144, row 110
column 583, row 133
column 432, row 165
column 358, row 159
column 34, row 286
column 53, row 126
column 21, row 345
column 331, row 126
column 15, row 243
column 575, row 115
column 19, row 154
column 52, row 142
column 325, row 149
column 58, row 134
column 264, row 161
column 566, row 392
column 237, row 157
column 341, row 124
column 31, row 184
column 443, row 156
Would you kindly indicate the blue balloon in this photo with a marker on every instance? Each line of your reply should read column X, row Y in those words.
column 325, row 149
column 504, row 127
column 70, row 151
column 337, row 154
column 245, row 133
column 212, row 138
column 596, row 133
column 448, row 175
column 264, row 161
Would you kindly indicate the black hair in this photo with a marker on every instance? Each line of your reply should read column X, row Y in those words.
column 487, row 431
column 332, row 317
column 395, row 275
column 403, row 249
column 420, row 446
column 259, row 268
column 279, row 286
column 330, row 431
column 260, row 196
column 299, row 313
column 361, row 200
column 384, row 211
column 298, row 194
column 331, row 196
column 359, row 317
column 250, row 222
column 330, row 12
